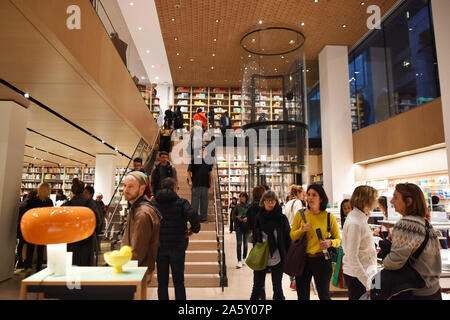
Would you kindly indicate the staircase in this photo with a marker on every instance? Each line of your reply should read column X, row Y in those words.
column 201, row 266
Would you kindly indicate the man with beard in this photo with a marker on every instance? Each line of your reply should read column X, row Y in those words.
column 143, row 222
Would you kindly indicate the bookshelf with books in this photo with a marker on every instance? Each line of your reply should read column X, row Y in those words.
column 232, row 175
column 183, row 98
column 56, row 177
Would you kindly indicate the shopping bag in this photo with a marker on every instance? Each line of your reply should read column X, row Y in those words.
column 258, row 256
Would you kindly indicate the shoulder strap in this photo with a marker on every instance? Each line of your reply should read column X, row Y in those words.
column 328, row 222
column 302, row 212
column 419, row 251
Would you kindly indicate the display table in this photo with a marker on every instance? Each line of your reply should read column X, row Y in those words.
column 88, row 283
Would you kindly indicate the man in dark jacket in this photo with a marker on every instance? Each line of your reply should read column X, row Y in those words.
column 83, row 251
column 173, row 237
column 161, row 171
column 169, row 115
column 225, row 123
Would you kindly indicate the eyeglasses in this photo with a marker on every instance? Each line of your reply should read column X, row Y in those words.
column 270, row 201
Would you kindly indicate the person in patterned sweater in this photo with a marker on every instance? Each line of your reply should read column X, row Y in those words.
column 408, row 234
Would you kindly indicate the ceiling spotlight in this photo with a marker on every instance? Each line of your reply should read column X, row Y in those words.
column 176, row 38
column 148, row 51
column 192, row 59
column 173, row 19
column 212, row 68
column 140, row 28
column 26, row 95
column 103, row 141
column 178, row 53
column 131, row 3
column 363, row 3
column 143, row 78
column 292, row 42
column 260, row 22
column 214, row 39
column 217, row 20
column 344, row 26
column 179, row 67
column 302, row 24
column 156, row 78
column 316, row 1
column 213, row 54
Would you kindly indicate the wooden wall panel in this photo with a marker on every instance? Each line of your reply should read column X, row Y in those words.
column 418, row 128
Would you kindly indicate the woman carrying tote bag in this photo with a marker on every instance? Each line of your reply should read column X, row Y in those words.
column 271, row 226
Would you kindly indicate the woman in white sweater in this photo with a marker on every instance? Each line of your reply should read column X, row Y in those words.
column 360, row 257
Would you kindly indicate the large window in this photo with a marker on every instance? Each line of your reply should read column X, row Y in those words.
column 395, row 68
column 315, row 134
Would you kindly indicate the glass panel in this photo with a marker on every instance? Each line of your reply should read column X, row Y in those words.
column 395, row 68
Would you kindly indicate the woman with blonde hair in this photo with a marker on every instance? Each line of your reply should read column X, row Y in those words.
column 360, row 259
column 42, row 199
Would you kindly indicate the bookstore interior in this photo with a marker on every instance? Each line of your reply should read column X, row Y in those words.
column 360, row 97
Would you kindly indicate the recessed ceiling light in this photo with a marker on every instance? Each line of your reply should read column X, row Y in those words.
column 156, row 78
column 291, row 42
column 153, row 66
column 192, row 59
column 148, row 51
column 302, row 24
column 214, row 39
column 217, row 20
column 363, row 3
column 316, row 1
column 143, row 78
column 179, row 67
column 173, row 19
column 260, row 22
column 140, row 28
column 212, row 68
column 213, row 54
column 344, row 26
column 26, row 95
column 131, row 3
column 176, row 38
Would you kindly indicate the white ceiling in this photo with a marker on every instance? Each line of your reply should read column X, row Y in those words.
column 148, row 41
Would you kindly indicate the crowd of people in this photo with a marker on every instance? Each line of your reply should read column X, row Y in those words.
column 305, row 213
column 160, row 222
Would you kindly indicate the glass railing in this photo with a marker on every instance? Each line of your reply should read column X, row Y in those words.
column 116, row 210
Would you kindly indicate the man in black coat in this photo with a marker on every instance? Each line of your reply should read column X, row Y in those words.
column 173, row 237
column 161, row 171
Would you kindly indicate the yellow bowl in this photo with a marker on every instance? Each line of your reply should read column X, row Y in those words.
column 116, row 261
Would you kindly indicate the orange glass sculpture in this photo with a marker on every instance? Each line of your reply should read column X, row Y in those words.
column 55, row 225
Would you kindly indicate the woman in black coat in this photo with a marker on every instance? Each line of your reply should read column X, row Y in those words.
column 271, row 225
column 40, row 201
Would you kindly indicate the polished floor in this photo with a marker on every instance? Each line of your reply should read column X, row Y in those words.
column 239, row 283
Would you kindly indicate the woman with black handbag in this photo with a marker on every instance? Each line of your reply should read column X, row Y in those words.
column 360, row 259
column 409, row 239
column 318, row 262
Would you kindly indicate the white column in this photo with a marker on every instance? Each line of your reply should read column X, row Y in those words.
column 337, row 141
column 440, row 9
column 105, row 175
column 13, row 124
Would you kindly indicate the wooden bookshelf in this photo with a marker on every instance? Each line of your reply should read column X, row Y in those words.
column 269, row 104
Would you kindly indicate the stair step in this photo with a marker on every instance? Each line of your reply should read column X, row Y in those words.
column 201, row 267
column 201, row 255
column 193, row 281
column 203, row 235
column 202, row 245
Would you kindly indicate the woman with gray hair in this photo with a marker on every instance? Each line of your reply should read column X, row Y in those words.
column 271, row 225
